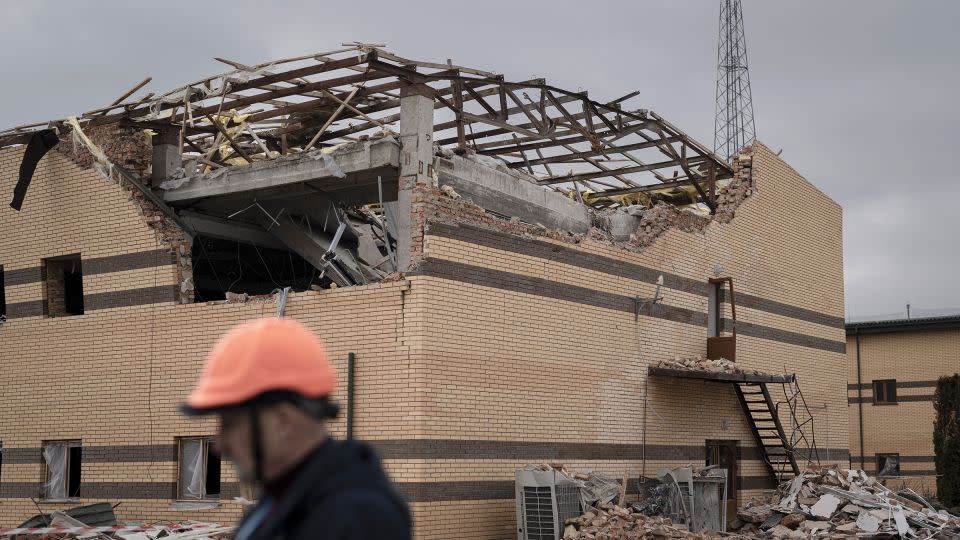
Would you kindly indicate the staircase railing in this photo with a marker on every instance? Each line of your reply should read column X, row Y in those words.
column 801, row 422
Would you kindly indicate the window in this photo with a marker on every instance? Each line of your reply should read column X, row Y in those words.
column 63, row 286
column 888, row 464
column 714, row 311
column 63, row 462
column 885, row 392
column 3, row 296
column 199, row 469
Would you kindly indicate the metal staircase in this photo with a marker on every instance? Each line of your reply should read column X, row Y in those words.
column 762, row 415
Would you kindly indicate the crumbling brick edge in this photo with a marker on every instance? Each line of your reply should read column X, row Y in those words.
column 131, row 148
column 433, row 205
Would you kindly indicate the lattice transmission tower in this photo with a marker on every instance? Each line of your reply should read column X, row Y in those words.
column 734, row 127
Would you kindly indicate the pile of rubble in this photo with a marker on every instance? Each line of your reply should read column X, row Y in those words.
column 610, row 521
column 700, row 363
column 833, row 502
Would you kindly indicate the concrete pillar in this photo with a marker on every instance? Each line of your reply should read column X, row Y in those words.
column 416, row 162
column 167, row 156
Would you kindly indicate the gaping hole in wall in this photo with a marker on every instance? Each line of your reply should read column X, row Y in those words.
column 222, row 266
column 292, row 247
column 63, row 286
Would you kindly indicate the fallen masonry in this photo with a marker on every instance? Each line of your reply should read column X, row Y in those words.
column 826, row 502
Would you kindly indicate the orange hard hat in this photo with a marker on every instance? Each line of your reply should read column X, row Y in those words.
column 262, row 357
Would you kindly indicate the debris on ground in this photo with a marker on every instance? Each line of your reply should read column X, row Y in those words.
column 64, row 527
column 700, row 363
column 831, row 502
column 612, row 521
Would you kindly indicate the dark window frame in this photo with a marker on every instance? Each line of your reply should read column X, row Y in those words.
column 885, row 392
column 71, row 282
column 73, row 471
column 880, row 464
column 3, row 293
column 212, row 470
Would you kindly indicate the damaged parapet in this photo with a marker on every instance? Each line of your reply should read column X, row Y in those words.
column 482, row 191
column 130, row 149
column 490, row 184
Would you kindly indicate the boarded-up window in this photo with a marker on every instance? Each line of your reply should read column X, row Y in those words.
column 199, row 476
column 63, row 461
column 885, row 392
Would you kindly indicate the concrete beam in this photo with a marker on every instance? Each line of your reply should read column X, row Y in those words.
column 509, row 193
column 214, row 227
column 340, row 169
column 167, row 158
column 416, row 160
column 345, row 270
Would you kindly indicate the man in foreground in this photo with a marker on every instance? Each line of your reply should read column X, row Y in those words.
column 269, row 381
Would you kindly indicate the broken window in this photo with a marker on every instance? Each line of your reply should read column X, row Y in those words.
column 885, row 392
column 3, row 296
column 63, row 286
column 713, row 309
column 888, row 464
column 63, row 464
column 199, row 469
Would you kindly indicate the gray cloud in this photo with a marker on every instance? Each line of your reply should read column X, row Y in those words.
column 860, row 95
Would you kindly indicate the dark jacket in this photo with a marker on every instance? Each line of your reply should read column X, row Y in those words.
column 339, row 492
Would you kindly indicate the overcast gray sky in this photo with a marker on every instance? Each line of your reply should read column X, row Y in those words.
column 860, row 95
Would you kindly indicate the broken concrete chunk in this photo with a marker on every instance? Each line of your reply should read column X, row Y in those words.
column 814, row 526
column 826, row 506
column 756, row 514
column 867, row 522
column 792, row 520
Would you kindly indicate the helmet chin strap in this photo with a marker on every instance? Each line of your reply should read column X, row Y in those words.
column 257, row 442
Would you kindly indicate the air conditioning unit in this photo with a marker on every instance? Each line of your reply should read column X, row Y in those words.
column 545, row 500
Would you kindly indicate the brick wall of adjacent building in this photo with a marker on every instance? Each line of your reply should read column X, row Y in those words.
column 500, row 349
column 915, row 359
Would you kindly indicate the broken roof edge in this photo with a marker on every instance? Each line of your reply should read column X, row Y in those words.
column 558, row 120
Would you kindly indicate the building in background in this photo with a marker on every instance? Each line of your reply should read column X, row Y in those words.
column 894, row 366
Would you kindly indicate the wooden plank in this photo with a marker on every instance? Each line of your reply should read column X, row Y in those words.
column 622, row 170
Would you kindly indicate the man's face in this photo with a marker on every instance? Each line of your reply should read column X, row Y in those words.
column 235, row 442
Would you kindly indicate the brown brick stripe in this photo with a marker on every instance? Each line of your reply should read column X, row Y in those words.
column 435, row 449
column 900, row 399
column 101, row 454
column 498, row 279
column 615, row 267
column 903, row 459
column 900, row 384
column 98, row 265
column 104, row 300
column 113, row 490
column 462, row 490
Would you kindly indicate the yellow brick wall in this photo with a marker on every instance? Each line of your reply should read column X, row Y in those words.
column 905, row 428
column 516, row 366
column 437, row 359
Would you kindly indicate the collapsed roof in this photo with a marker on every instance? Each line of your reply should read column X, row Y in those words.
column 601, row 153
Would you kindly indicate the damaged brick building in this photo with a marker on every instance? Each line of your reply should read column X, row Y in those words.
column 505, row 272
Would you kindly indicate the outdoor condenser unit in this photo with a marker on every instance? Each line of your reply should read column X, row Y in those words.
column 545, row 499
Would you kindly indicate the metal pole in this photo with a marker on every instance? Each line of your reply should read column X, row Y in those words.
column 351, row 361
